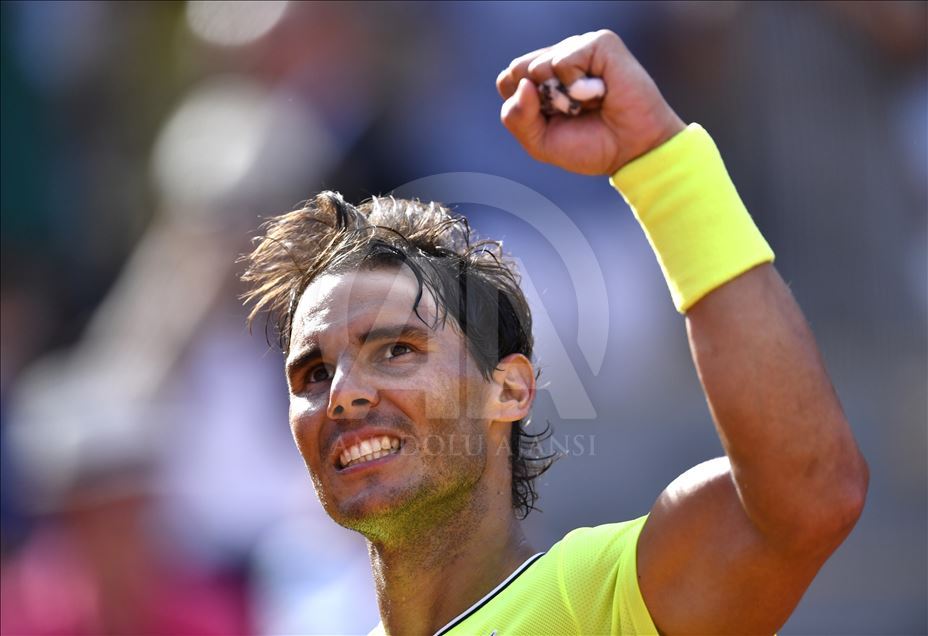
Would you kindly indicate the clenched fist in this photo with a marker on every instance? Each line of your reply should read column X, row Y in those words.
column 631, row 119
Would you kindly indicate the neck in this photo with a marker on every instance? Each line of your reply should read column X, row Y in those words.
column 424, row 580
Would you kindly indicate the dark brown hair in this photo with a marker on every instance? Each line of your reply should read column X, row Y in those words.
column 471, row 280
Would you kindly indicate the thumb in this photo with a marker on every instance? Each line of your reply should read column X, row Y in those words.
column 521, row 115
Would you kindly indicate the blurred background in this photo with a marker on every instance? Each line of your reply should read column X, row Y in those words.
column 149, row 482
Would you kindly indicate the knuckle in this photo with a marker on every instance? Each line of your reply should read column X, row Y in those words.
column 539, row 68
column 562, row 59
column 502, row 79
column 509, row 114
column 535, row 74
column 506, row 75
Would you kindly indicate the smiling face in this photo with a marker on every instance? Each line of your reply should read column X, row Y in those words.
column 389, row 410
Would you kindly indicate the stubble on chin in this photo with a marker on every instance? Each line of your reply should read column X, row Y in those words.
column 448, row 492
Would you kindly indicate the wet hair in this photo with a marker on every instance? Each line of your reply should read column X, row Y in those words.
column 471, row 280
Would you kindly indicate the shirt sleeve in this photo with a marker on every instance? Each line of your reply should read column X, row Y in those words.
column 598, row 578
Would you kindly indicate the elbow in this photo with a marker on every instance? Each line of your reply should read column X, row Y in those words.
column 851, row 497
column 860, row 487
column 838, row 510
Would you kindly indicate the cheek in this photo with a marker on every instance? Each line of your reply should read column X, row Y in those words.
column 448, row 394
column 305, row 420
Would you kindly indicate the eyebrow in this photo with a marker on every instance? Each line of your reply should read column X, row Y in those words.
column 391, row 332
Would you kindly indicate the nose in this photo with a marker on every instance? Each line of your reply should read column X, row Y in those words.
column 351, row 393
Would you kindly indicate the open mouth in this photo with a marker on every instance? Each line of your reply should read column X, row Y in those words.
column 368, row 450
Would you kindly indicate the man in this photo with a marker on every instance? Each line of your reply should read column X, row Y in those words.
column 408, row 357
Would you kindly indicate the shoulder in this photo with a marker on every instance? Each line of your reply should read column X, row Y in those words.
column 597, row 569
column 600, row 542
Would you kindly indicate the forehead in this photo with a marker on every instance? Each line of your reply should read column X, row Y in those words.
column 334, row 305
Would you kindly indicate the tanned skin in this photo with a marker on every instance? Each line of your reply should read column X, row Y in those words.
column 438, row 515
column 729, row 547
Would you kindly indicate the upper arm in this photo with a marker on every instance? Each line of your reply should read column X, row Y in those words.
column 703, row 566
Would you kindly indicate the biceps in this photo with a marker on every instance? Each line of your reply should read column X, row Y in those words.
column 704, row 568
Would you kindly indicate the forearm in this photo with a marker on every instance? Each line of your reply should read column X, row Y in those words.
column 795, row 463
column 794, row 460
column 729, row 546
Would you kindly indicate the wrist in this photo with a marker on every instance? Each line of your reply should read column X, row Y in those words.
column 700, row 231
column 666, row 125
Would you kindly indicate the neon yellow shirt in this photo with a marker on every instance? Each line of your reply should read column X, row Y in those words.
column 587, row 583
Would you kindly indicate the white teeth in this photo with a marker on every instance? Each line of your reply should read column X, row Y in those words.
column 368, row 450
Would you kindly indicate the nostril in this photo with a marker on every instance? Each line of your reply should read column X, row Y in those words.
column 355, row 408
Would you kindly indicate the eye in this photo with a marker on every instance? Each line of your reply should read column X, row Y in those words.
column 398, row 349
column 318, row 374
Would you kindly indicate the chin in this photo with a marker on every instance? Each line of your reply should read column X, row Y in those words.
column 381, row 504
column 375, row 503
column 373, row 519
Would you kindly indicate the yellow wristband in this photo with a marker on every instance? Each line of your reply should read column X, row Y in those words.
column 682, row 196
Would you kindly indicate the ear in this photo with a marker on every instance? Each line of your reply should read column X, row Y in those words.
column 513, row 389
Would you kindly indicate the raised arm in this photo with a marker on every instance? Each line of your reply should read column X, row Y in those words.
column 732, row 544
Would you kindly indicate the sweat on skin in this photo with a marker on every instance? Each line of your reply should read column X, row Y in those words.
column 364, row 364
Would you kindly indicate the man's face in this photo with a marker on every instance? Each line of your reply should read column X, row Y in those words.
column 366, row 373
